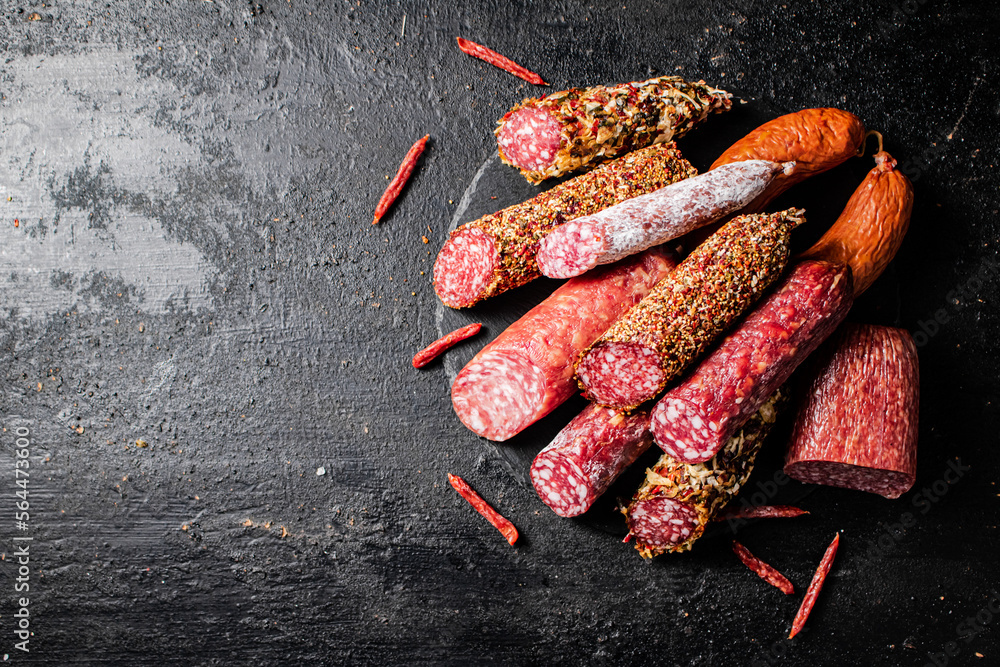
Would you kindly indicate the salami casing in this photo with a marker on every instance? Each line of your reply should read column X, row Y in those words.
column 659, row 338
column 647, row 220
column 575, row 129
column 528, row 370
column 670, row 510
column 587, row 456
column 496, row 253
column 857, row 428
column 695, row 419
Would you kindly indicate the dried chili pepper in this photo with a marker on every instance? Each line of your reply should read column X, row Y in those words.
column 497, row 60
column 815, row 586
column 499, row 522
column 400, row 179
column 763, row 570
column 760, row 512
column 438, row 347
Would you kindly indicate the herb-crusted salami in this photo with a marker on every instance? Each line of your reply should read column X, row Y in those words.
column 527, row 371
column 574, row 129
column 496, row 253
column 670, row 510
column 647, row 220
column 858, row 426
column 587, row 456
column 695, row 419
column 659, row 338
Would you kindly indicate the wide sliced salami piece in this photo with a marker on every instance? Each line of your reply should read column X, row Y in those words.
column 575, row 129
column 496, row 253
column 677, row 500
column 584, row 459
column 647, row 220
column 527, row 371
column 858, row 426
column 670, row 328
column 694, row 419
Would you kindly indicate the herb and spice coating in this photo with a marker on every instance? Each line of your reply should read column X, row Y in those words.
column 694, row 419
column 497, row 252
column 527, row 372
column 584, row 459
column 575, row 129
column 670, row 510
column 659, row 338
column 857, row 427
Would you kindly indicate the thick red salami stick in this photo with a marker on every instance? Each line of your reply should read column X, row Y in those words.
column 658, row 339
column 695, row 418
column 527, row 371
column 587, row 456
column 858, row 426
column 496, row 253
column 670, row 510
column 647, row 220
column 575, row 129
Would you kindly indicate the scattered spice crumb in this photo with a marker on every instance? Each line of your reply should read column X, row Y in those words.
column 425, row 239
column 141, row 443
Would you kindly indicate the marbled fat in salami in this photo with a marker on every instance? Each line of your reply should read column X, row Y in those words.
column 694, row 419
column 858, row 426
column 587, row 456
column 647, row 220
column 528, row 370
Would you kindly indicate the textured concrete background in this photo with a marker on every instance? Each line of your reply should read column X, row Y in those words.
column 192, row 265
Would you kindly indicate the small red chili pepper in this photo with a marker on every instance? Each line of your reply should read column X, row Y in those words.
column 438, row 347
column 761, row 512
column 400, row 179
column 499, row 522
column 763, row 570
column 815, row 586
column 497, row 60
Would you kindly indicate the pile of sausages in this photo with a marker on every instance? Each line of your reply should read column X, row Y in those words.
column 692, row 353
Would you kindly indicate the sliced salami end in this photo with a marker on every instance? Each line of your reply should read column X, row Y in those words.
column 530, row 139
column 464, row 267
column 561, row 483
column 620, row 375
column 571, row 249
column 499, row 394
column 658, row 523
column 888, row 483
column 687, row 429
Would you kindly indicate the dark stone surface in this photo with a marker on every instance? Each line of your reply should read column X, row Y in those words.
column 193, row 266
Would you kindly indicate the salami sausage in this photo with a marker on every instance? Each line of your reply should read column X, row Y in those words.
column 659, row 338
column 695, row 419
column 647, row 220
column 677, row 500
column 575, row 129
column 528, row 370
column 587, row 456
column 496, row 253
column 858, row 426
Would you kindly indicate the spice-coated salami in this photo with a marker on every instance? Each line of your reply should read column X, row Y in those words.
column 670, row 510
column 858, row 425
column 573, row 129
column 695, row 419
column 587, row 456
column 659, row 338
column 496, row 253
column 527, row 371
column 647, row 220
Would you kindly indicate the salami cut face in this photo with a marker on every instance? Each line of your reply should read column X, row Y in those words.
column 575, row 129
column 670, row 328
column 527, row 371
column 587, row 456
column 647, row 220
column 858, row 426
column 694, row 419
column 497, row 252
column 670, row 510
